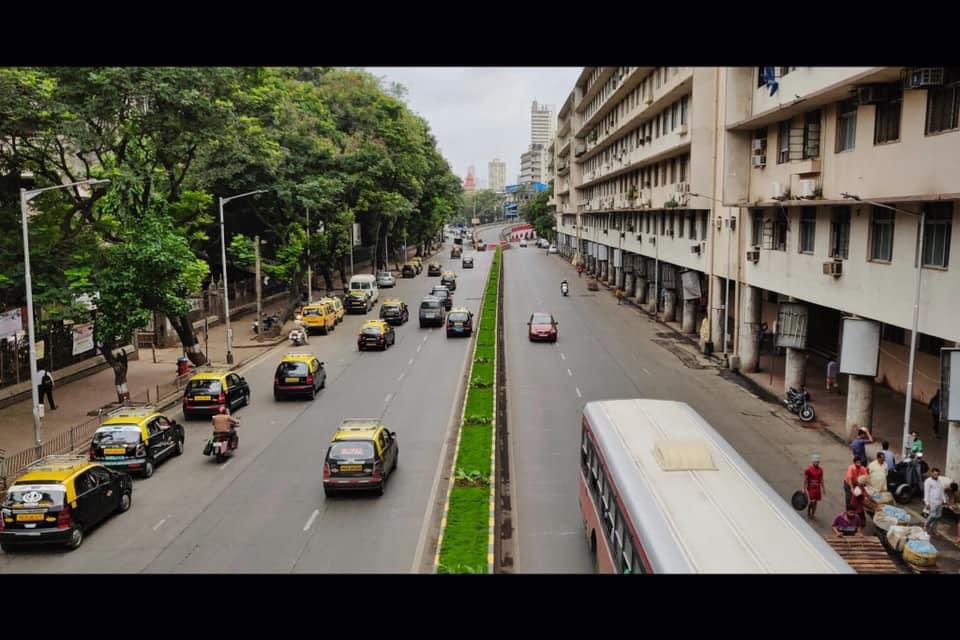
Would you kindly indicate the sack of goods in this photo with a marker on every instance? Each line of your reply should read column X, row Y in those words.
column 881, row 497
column 898, row 536
column 901, row 515
column 920, row 553
column 884, row 522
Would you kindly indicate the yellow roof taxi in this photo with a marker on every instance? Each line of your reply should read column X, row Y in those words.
column 362, row 454
column 319, row 316
column 337, row 306
column 136, row 438
column 207, row 391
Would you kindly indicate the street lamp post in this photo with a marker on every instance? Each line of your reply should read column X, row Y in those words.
column 223, row 256
column 908, row 404
column 25, row 197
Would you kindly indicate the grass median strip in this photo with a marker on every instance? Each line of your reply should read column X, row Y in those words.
column 464, row 540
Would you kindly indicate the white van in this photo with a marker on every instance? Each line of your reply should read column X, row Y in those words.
column 368, row 283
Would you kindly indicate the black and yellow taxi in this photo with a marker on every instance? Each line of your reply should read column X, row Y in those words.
column 377, row 334
column 434, row 269
column 337, row 307
column 455, row 251
column 467, row 263
column 135, row 439
column 459, row 322
column 417, row 262
column 207, row 391
column 299, row 374
column 357, row 300
column 409, row 270
column 319, row 316
column 394, row 311
column 361, row 455
column 58, row 499
column 449, row 280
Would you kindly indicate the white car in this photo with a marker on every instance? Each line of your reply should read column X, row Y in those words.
column 552, row 249
column 385, row 279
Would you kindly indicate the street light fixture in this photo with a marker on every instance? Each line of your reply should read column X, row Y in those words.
column 223, row 255
column 908, row 404
column 25, row 197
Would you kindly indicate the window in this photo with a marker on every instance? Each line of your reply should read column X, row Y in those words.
column 808, row 229
column 779, row 232
column 663, row 222
column 674, row 115
column 663, row 173
column 840, row 232
column 756, row 228
column 930, row 344
column 881, row 235
column 943, row 104
column 846, row 125
column 680, row 230
column 703, row 225
column 783, row 142
column 684, row 109
column 887, row 119
column 811, row 134
column 647, row 223
column 683, row 169
column 936, row 234
column 656, row 126
column 673, row 171
column 893, row 334
column 692, row 225
column 672, row 218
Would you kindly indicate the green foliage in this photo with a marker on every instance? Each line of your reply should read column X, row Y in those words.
column 540, row 213
column 240, row 252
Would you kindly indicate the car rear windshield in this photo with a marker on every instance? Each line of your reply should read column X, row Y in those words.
column 371, row 331
column 441, row 293
column 204, row 386
column 391, row 307
column 298, row 369
column 34, row 495
column 359, row 285
column 542, row 318
column 430, row 304
column 351, row 451
column 117, row 434
column 458, row 317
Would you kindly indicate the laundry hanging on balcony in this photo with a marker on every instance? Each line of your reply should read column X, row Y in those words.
column 769, row 75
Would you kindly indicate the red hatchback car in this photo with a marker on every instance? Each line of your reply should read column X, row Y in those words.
column 542, row 328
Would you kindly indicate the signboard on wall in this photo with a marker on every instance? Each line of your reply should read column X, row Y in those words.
column 691, row 285
column 474, row 221
column 356, row 233
column 792, row 322
column 617, row 258
column 82, row 338
column 860, row 347
column 950, row 385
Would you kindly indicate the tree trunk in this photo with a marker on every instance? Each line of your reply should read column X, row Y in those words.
column 184, row 329
column 344, row 265
column 328, row 279
column 117, row 359
column 376, row 249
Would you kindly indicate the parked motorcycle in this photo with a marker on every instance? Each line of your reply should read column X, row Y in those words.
column 268, row 321
column 798, row 401
column 906, row 479
column 564, row 288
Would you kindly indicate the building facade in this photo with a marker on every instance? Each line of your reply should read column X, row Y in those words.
column 789, row 197
column 470, row 182
column 497, row 175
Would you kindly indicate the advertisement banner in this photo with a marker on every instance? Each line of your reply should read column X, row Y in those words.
column 82, row 338
column 691, row 285
column 10, row 323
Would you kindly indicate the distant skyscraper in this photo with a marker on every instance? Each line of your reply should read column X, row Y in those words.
column 542, row 124
column 470, row 182
column 497, row 175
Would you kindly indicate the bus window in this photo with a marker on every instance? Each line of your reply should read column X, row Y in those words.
column 627, row 556
column 584, row 450
column 617, row 529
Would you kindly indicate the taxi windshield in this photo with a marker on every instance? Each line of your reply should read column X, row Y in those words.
column 204, row 386
column 34, row 495
column 457, row 316
column 371, row 331
column 351, row 450
column 117, row 434
column 292, row 369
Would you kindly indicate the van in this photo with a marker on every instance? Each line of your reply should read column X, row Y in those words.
column 367, row 283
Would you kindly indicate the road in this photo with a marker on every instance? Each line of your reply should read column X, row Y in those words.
column 264, row 510
column 604, row 352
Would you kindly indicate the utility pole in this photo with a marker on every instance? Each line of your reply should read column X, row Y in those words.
column 309, row 270
column 256, row 252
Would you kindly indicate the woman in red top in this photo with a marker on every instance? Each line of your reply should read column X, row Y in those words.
column 813, row 485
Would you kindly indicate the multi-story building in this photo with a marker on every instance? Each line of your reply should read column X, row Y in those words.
column 533, row 164
column 785, row 196
column 470, row 182
column 497, row 175
column 541, row 124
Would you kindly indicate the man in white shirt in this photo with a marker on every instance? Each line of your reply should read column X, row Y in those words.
column 933, row 500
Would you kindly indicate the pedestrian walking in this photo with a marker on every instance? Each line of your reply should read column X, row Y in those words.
column 914, row 443
column 813, row 485
column 832, row 369
column 933, row 500
column 878, row 472
column 859, row 444
column 888, row 457
column 45, row 386
column 579, row 269
column 619, row 293
column 854, row 471
column 935, row 412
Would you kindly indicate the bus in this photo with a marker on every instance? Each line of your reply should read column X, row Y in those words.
column 662, row 492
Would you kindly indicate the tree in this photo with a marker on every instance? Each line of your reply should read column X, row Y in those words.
column 540, row 213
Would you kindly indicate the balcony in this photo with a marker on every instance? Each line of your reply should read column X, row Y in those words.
column 683, row 78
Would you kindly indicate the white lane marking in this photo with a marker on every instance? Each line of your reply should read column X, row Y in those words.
column 569, row 373
column 645, row 371
column 159, row 524
column 401, row 377
column 579, row 395
column 419, row 346
column 563, row 357
column 313, row 516
column 427, row 336
column 387, row 399
column 410, row 361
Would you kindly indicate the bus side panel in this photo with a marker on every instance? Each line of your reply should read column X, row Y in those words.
column 594, row 531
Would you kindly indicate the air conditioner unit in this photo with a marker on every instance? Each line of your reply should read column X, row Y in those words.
column 873, row 93
column 777, row 191
column 653, row 240
column 923, row 77
column 759, row 161
column 682, row 130
column 683, row 187
column 695, row 248
column 807, row 188
column 753, row 256
column 759, row 144
column 834, row 268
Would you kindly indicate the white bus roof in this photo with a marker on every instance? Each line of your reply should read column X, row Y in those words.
column 714, row 513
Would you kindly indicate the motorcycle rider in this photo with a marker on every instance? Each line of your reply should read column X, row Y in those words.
column 564, row 287
column 223, row 422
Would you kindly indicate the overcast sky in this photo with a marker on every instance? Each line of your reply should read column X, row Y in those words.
column 481, row 113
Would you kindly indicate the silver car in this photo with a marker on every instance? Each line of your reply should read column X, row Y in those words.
column 385, row 279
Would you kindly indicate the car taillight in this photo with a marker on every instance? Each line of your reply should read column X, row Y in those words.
column 449, row 324
column 276, row 381
column 222, row 397
column 309, row 379
column 63, row 518
column 377, row 472
column 326, row 471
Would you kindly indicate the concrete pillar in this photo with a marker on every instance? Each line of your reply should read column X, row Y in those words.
column 628, row 283
column 718, row 318
column 620, row 276
column 859, row 404
column 641, row 289
column 749, row 328
column 669, row 305
column 611, row 273
column 795, row 374
column 677, row 306
column 689, row 320
column 952, row 465
column 652, row 298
